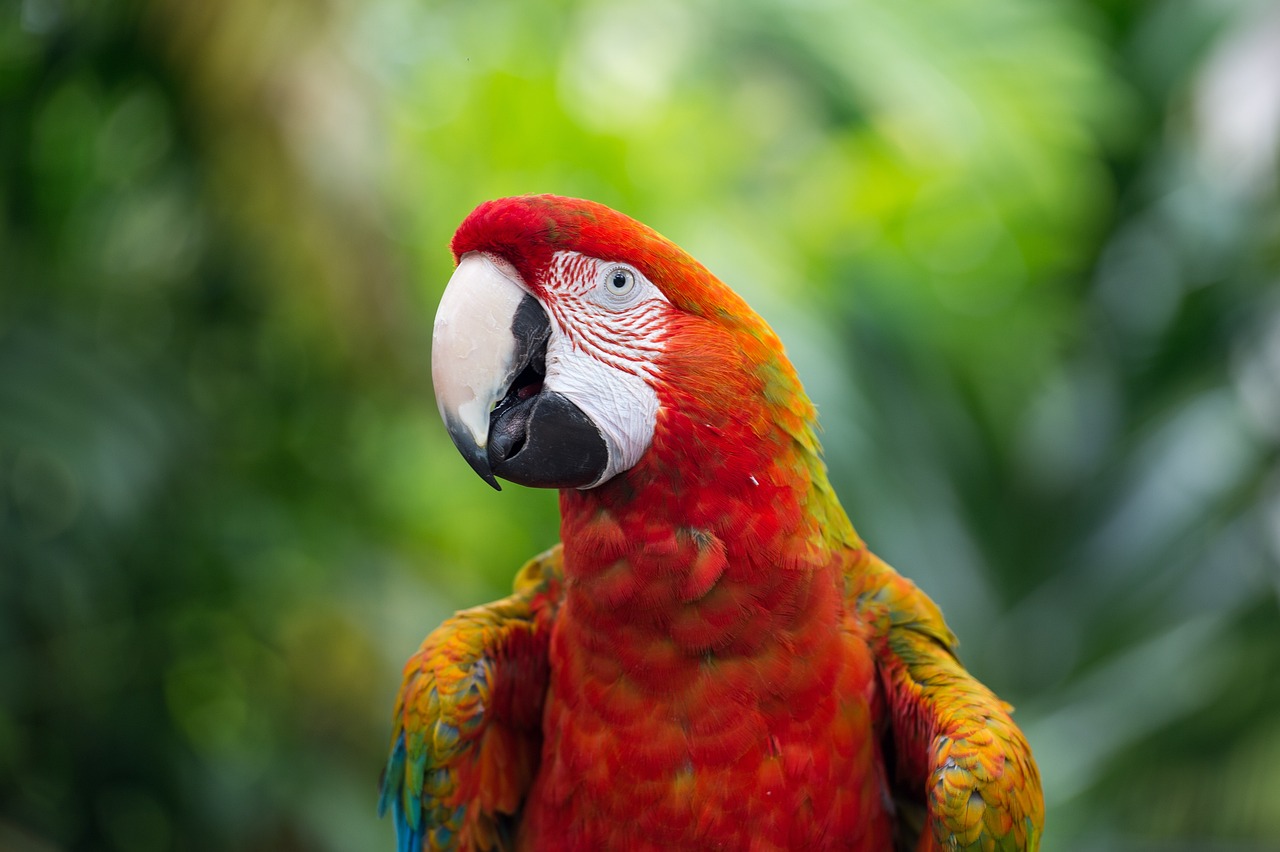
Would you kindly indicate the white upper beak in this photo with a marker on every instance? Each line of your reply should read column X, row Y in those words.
column 474, row 357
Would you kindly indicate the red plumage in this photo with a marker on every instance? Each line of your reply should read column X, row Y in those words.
column 715, row 658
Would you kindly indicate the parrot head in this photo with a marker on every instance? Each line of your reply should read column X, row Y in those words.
column 574, row 344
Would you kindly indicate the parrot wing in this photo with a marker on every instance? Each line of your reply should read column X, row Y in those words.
column 467, row 725
column 957, row 748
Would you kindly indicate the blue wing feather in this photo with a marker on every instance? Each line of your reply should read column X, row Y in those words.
column 408, row 825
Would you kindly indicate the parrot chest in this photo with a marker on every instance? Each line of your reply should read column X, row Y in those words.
column 649, row 746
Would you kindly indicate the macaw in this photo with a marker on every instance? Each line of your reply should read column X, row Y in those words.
column 711, row 658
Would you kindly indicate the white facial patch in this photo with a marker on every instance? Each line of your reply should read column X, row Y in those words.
column 607, row 330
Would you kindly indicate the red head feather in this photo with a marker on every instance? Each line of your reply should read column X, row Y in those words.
column 528, row 229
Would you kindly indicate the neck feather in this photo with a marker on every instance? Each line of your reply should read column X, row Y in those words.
column 719, row 538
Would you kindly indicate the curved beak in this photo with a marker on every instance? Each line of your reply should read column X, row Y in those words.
column 488, row 353
column 475, row 354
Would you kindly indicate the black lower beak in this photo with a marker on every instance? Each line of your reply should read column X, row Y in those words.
column 546, row 441
column 538, row 437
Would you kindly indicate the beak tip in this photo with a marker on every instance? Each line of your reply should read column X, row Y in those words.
column 480, row 464
column 486, row 474
column 477, row 457
column 479, row 461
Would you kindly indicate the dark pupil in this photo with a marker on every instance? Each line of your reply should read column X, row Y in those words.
column 619, row 280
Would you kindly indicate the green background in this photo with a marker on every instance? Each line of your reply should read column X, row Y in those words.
column 1024, row 255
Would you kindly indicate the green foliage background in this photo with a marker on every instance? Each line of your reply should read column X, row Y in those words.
column 1023, row 254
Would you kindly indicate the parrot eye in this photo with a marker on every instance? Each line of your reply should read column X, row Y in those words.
column 619, row 287
column 620, row 281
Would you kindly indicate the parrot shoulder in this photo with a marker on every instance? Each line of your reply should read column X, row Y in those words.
column 957, row 750
column 466, row 729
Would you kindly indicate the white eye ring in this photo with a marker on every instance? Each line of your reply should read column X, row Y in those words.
column 619, row 281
